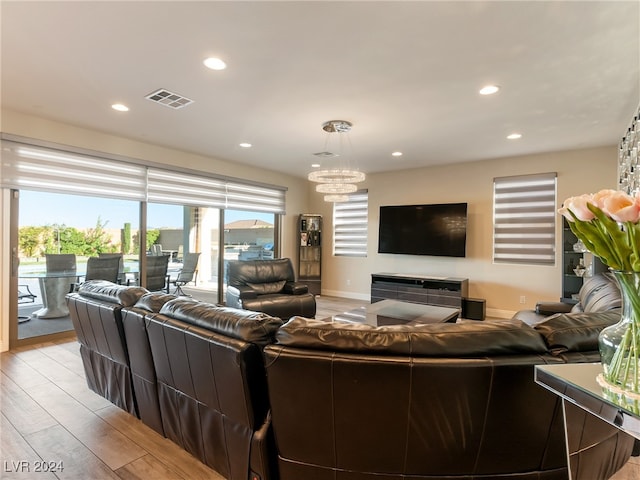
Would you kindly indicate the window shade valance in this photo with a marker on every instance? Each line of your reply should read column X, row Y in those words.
column 36, row 167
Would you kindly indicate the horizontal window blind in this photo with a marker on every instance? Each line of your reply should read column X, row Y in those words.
column 188, row 189
column 524, row 219
column 27, row 166
column 39, row 168
column 350, row 222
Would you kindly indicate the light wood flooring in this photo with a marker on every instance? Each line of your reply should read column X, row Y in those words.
column 50, row 419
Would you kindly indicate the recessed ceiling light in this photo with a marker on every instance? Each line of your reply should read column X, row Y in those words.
column 514, row 136
column 245, row 145
column 489, row 90
column 120, row 107
column 215, row 63
column 396, row 154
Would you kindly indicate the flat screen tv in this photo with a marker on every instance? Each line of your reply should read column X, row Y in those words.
column 438, row 229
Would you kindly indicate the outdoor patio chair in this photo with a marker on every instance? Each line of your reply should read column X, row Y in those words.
column 120, row 257
column 103, row 268
column 60, row 277
column 189, row 273
column 100, row 268
column 157, row 278
column 61, row 263
column 25, row 295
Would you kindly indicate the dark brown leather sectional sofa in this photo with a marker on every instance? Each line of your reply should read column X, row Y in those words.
column 255, row 398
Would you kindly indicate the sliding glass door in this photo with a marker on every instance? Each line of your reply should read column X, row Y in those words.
column 248, row 235
column 183, row 231
column 75, row 227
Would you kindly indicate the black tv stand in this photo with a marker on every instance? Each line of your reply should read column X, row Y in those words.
column 441, row 291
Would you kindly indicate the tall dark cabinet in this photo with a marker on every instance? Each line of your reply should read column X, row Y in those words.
column 572, row 258
column 310, row 251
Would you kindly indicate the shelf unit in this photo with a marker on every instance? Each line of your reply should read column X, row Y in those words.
column 310, row 251
column 571, row 283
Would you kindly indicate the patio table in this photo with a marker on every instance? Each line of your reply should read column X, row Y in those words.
column 53, row 288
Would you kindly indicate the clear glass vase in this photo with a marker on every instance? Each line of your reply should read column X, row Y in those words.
column 619, row 346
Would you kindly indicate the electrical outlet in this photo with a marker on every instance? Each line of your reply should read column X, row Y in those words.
column 523, row 299
column 348, row 282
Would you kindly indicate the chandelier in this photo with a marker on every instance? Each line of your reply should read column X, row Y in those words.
column 340, row 179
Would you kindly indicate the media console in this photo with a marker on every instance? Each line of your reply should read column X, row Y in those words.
column 441, row 291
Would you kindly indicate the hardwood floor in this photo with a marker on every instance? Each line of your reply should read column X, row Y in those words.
column 50, row 421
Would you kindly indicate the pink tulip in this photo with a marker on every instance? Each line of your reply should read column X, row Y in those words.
column 578, row 206
column 601, row 196
column 621, row 207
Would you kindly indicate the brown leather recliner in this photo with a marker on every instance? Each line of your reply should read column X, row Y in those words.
column 143, row 375
column 454, row 401
column 268, row 286
column 96, row 314
column 212, row 386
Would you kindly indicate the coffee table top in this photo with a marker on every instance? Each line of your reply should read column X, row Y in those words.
column 394, row 312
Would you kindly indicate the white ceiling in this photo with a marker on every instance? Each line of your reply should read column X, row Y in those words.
column 407, row 75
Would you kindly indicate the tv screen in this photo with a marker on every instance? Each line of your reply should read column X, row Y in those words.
column 438, row 229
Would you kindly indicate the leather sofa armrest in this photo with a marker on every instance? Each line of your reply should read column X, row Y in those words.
column 235, row 295
column 241, row 292
column 295, row 288
column 263, row 461
column 551, row 308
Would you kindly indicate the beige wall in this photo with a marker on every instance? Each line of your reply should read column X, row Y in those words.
column 579, row 171
column 34, row 127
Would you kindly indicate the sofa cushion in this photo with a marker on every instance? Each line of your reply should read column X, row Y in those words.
column 467, row 339
column 249, row 326
column 111, row 292
column 267, row 287
column 575, row 332
column 260, row 271
column 153, row 302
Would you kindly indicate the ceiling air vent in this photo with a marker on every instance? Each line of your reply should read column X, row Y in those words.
column 169, row 99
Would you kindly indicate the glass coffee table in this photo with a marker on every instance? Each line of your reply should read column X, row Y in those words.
column 394, row 312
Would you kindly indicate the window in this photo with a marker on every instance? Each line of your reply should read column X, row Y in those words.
column 183, row 208
column 350, row 225
column 524, row 218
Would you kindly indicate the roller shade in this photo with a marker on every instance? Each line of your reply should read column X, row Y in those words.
column 350, row 223
column 524, row 219
column 48, row 169
column 32, row 167
column 188, row 189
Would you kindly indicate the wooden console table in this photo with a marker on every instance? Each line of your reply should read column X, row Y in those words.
column 440, row 291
